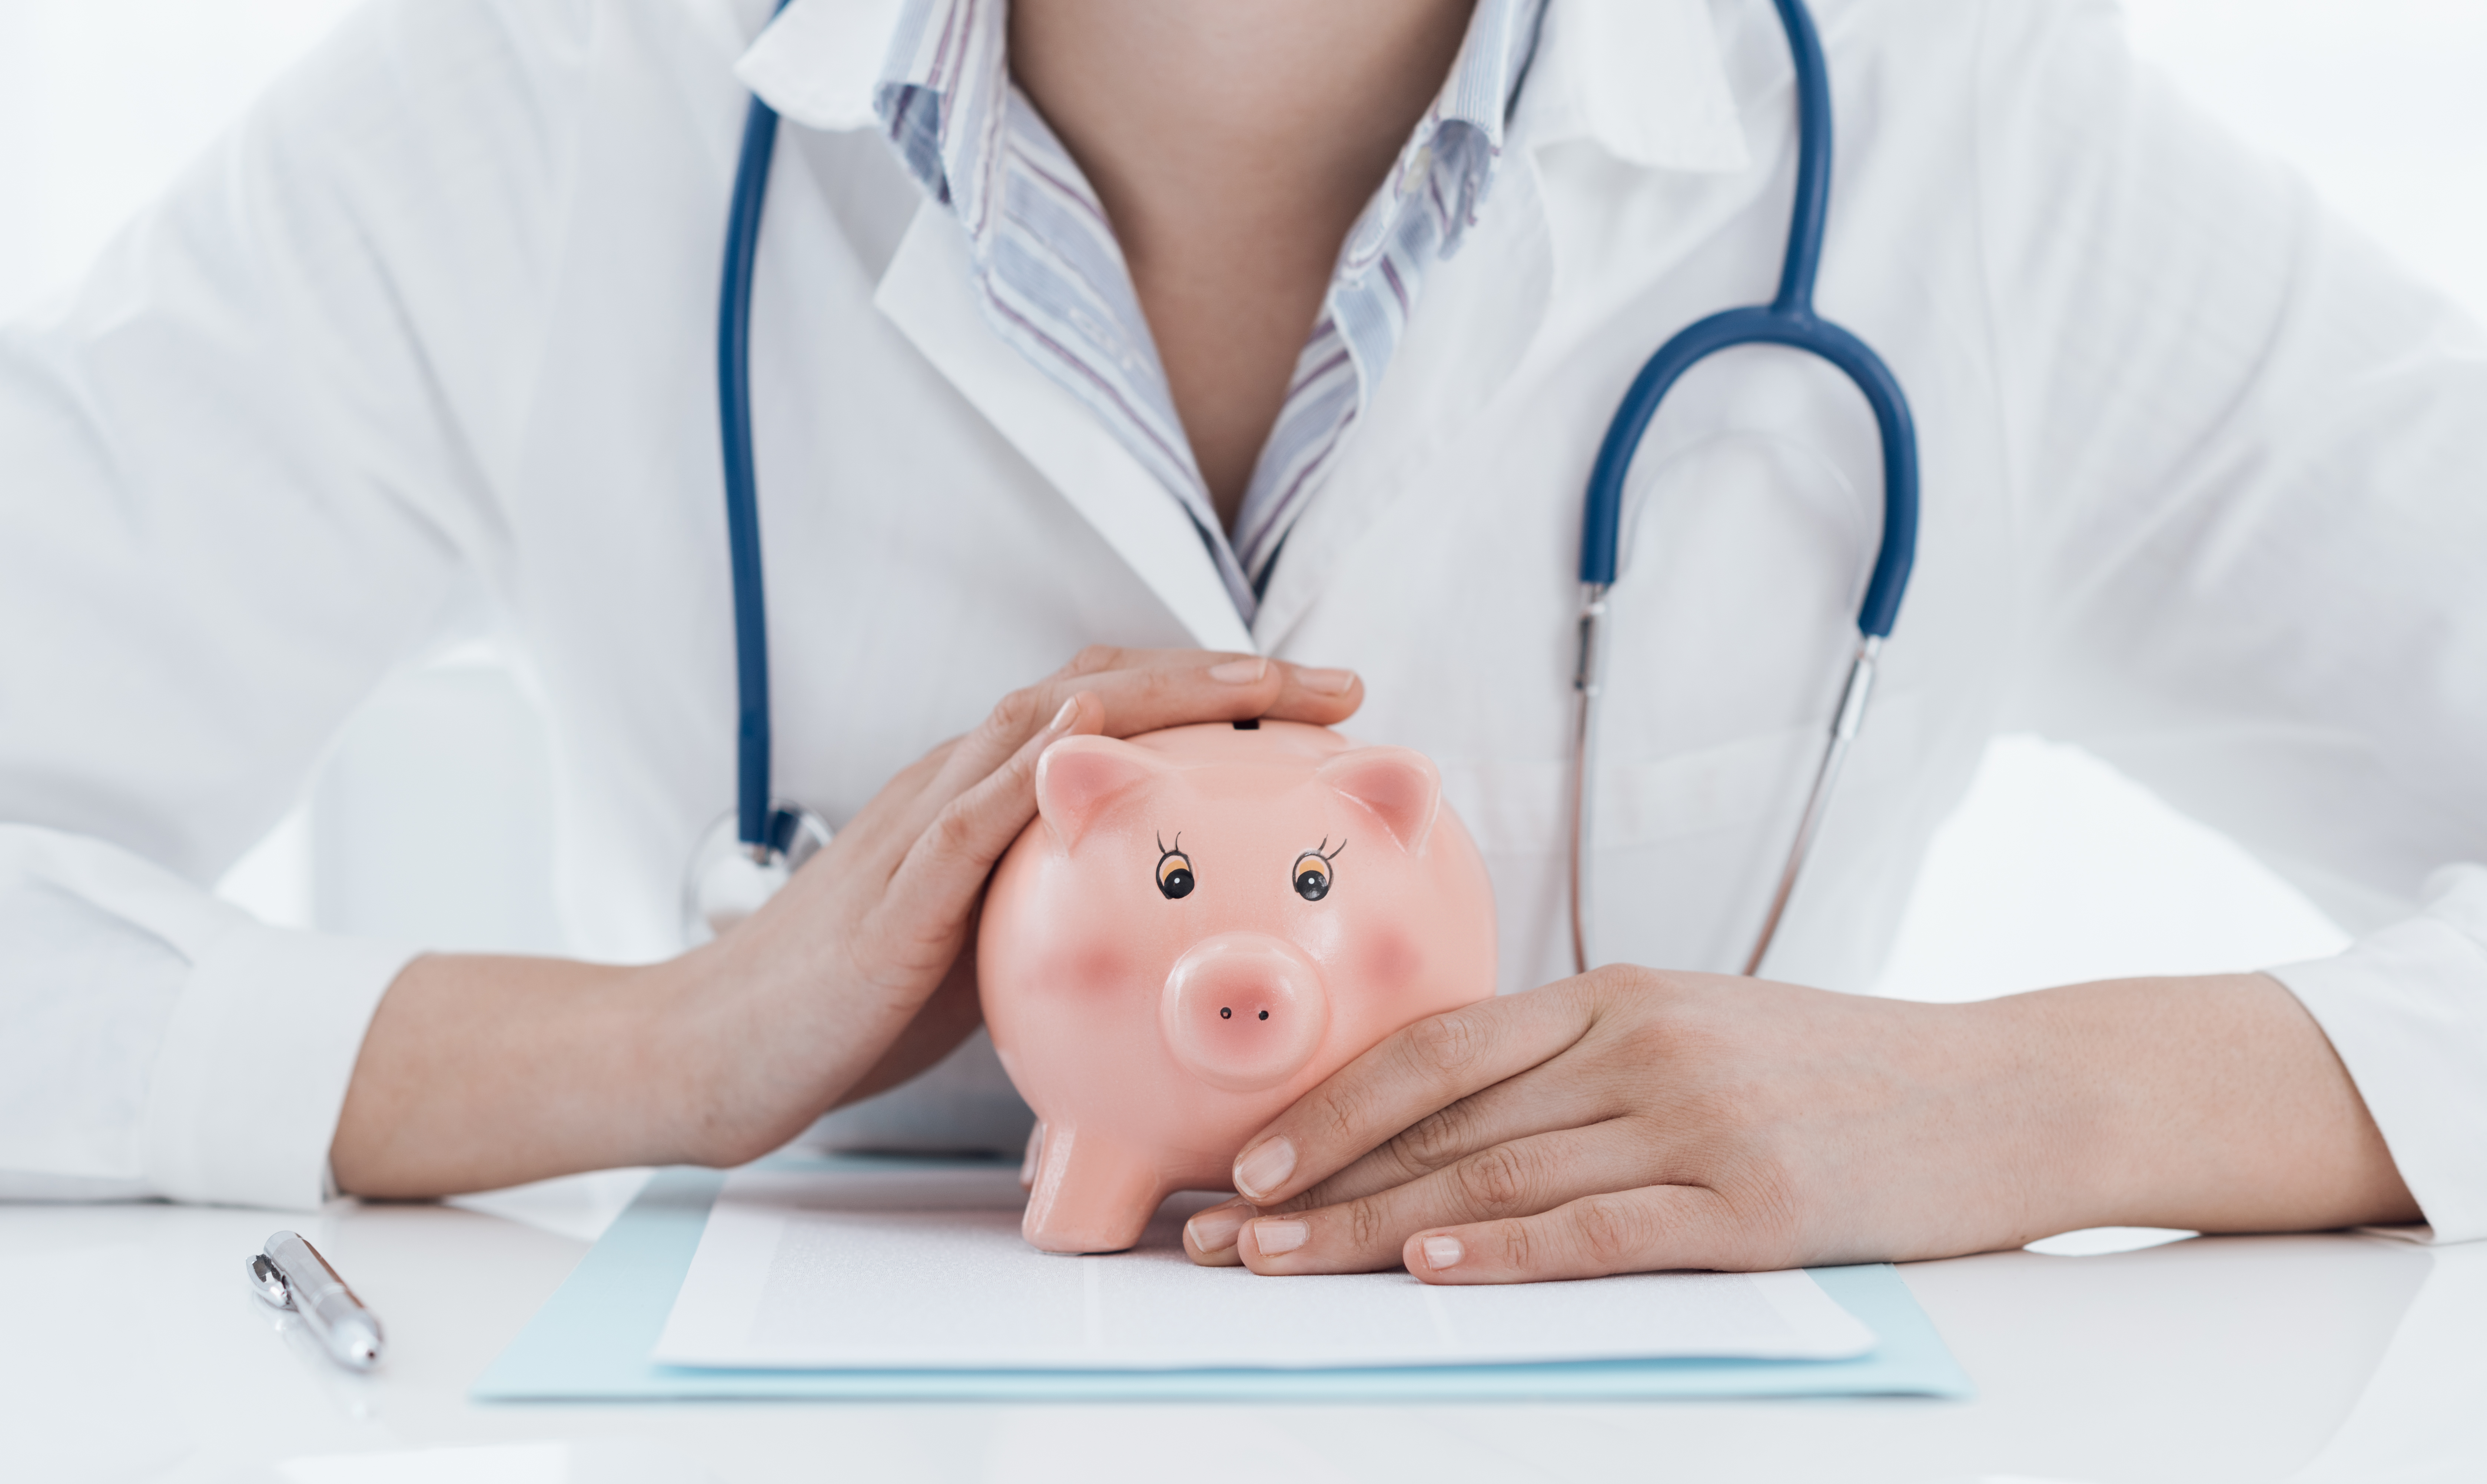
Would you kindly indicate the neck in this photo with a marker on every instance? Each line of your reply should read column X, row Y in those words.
column 1231, row 147
column 1315, row 97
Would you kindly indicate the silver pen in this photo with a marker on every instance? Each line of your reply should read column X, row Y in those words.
column 289, row 1272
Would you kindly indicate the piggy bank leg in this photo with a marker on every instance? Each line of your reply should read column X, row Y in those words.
column 1028, row 1161
column 1089, row 1195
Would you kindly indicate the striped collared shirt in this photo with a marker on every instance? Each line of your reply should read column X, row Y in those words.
column 1052, row 282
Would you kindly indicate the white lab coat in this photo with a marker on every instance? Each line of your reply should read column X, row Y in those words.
column 2202, row 481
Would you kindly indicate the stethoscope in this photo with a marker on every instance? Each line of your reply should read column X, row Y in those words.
column 746, row 855
column 750, row 851
column 1787, row 320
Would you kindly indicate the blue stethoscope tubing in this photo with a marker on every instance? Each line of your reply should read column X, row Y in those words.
column 762, row 826
column 768, row 833
column 1788, row 319
column 746, row 855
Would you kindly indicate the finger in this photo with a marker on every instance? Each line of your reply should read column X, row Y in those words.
column 1147, row 690
column 1652, row 1229
column 1166, row 688
column 1321, row 695
column 1317, row 694
column 1414, row 1071
column 881, row 819
column 945, row 867
column 916, row 923
column 1134, row 691
column 1127, row 691
column 1209, row 1237
column 1522, row 1178
column 1538, row 1100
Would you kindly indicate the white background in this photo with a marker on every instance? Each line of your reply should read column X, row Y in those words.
column 427, row 824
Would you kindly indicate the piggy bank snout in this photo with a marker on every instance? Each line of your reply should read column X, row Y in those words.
column 1243, row 1010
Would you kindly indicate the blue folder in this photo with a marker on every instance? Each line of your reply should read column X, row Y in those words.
column 593, row 1339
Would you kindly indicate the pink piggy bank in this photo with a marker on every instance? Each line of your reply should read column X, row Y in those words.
column 1198, row 927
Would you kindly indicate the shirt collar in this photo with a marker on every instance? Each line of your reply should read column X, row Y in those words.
column 1642, row 78
column 1447, row 163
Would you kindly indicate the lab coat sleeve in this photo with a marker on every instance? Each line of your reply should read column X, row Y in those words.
column 243, row 469
column 2250, row 469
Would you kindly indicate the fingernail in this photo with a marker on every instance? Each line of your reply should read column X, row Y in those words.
column 1442, row 1253
column 1326, row 681
column 1275, row 1237
column 1241, row 672
column 1213, row 1230
column 1063, row 719
column 1263, row 1166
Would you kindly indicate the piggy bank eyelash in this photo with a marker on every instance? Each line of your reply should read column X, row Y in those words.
column 1175, row 878
column 1312, row 871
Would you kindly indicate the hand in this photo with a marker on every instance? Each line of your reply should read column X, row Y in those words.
column 1631, row 1120
column 482, row 1072
column 856, row 976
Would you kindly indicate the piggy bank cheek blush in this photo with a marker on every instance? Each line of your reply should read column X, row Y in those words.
column 1388, row 960
column 1198, row 927
column 1077, row 972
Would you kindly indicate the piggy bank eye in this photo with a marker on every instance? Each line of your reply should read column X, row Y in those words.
column 1312, row 876
column 1174, row 872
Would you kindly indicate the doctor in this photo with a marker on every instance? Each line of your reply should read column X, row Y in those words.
column 1258, row 362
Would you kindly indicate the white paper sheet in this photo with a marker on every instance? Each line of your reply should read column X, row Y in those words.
column 924, row 1269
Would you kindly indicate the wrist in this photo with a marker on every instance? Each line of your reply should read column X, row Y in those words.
column 479, row 1072
column 2047, row 1094
column 742, row 1047
column 695, row 1065
column 2211, row 1102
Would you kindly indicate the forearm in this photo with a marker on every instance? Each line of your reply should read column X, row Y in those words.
column 2213, row 1103
column 482, row 1072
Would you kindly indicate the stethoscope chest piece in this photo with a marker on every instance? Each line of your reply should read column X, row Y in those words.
column 728, row 880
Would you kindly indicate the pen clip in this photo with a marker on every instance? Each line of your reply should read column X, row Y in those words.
column 268, row 1281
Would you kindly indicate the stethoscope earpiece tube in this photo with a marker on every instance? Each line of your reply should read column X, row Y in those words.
column 750, row 852
column 753, row 825
column 1787, row 320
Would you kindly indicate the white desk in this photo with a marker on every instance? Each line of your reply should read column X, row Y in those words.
column 130, row 1349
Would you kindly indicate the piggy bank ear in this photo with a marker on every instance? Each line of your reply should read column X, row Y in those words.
column 1079, row 776
column 1401, row 788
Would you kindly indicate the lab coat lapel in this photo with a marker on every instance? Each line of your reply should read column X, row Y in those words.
column 816, row 65
column 817, row 61
column 929, row 295
column 1473, row 324
column 1645, row 81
